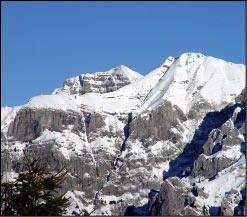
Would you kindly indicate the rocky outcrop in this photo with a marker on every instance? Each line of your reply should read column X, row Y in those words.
column 29, row 123
column 99, row 82
column 208, row 164
column 208, row 168
column 231, row 205
column 200, row 109
column 157, row 124
column 93, row 122
column 174, row 198
column 218, row 134
column 102, row 83
column 242, row 96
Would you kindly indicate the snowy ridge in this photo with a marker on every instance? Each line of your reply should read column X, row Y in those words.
column 126, row 99
column 125, row 71
column 71, row 84
column 60, row 102
column 7, row 116
column 183, row 81
column 193, row 77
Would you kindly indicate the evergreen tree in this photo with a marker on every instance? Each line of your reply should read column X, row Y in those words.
column 34, row 192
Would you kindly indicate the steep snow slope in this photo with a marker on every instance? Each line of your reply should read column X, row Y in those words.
column 230, row 178
column 193, row 77
column 125, row 71
column 7, row 116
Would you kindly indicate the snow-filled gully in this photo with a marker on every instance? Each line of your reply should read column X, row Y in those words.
column 116, row 166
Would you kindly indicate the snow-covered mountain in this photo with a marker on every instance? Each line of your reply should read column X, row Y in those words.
column 100, row 82
column 162, row 144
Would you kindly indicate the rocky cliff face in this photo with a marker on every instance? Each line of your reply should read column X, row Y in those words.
column 219, row 159
column 30, row 123
column 163, row 144
column 99, row 82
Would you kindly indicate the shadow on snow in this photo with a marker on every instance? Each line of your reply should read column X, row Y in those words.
column 181, row 165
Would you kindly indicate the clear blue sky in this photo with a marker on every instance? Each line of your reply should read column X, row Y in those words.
column 45, row 43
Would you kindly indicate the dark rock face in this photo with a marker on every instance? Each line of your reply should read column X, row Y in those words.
column 208, row 168
column 202, row 141
column 85, row 86
column 100, row 82
column 173, row 199
column 158, row 124
column 199, row 110
column 240, row 209
column 85, row 173
column 29, row 123
column 242, row 97
column 93, row 123
column 226, row 206
column 77, row 166
column 219, row 139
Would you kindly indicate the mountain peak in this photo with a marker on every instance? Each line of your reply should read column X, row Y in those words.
column 125, row 71
column 190, row 54
column 193, row 77
column 167, row 63
column 122, row 67
column 99, row 81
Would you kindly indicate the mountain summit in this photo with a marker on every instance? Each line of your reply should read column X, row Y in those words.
column 101, row 82
column 171, row 142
